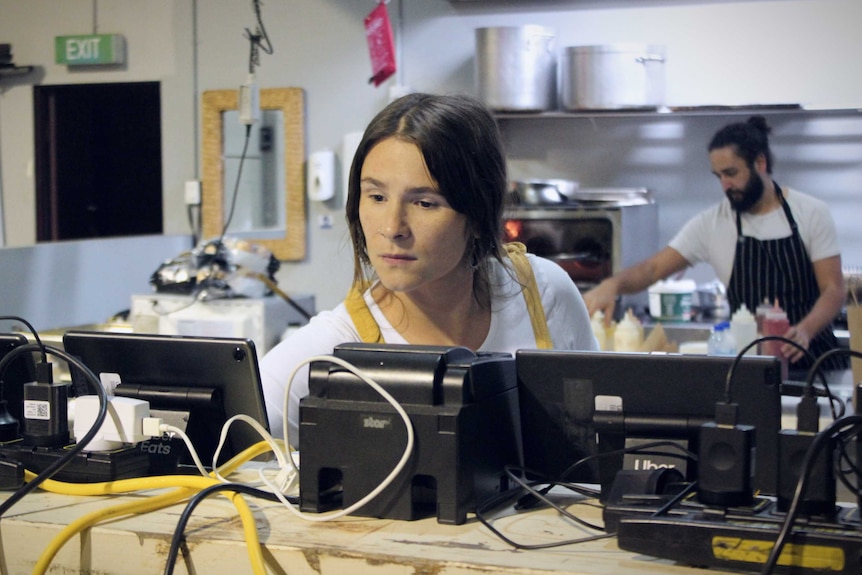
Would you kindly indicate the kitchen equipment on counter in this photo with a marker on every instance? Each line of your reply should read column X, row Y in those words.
column 516, row 68
column 596, row 233
column 542, row 192
column 671, row 300
column 612, row 76
column 712, row 300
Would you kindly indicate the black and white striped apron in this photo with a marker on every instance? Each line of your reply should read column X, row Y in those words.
column 780, row 269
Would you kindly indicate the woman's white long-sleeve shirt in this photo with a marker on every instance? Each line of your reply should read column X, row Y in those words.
column 510, row 330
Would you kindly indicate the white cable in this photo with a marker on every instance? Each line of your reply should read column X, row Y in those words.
column 276, row 449
column 188, row 442
column 405, row 457
column 287, row 481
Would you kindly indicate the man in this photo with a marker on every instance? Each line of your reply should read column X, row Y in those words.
column 765, row 242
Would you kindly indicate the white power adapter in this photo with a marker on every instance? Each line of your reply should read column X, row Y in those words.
column 249, row 102
column 122, row 426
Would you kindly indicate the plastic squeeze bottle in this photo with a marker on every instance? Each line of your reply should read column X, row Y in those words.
column 598, row 324
column 760, row 315
column 775, row 323
column 744, row 329
column 627, row 335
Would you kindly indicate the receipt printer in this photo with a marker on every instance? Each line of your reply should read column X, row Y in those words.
column 463, row 408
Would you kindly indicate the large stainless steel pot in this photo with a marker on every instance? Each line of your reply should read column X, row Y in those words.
column 516, row 68
column 613, row 76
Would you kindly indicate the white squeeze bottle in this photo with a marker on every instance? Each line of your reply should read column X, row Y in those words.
column 627, row 336
column 743, row 326
column 598, row 324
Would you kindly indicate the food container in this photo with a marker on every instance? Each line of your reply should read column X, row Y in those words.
column 612, row 76
column 671, row 300
column 516, row 68
column 693, row 348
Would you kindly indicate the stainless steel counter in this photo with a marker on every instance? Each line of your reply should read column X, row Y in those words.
column 700, row 329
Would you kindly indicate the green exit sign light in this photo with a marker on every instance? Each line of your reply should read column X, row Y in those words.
column 90, row 49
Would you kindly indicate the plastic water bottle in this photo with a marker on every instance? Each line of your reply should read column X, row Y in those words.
column 721, row 341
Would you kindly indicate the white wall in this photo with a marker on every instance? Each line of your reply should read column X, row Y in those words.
column 159, row 48
column 76, row 283
column 762, row 51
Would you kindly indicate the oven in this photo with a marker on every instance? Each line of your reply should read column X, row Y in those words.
column 593, row 234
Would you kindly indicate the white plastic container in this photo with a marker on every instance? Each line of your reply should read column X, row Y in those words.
column 693, row 348
column 671, row 300
column 744, row 329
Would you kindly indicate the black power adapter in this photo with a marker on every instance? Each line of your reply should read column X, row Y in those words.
column 725, row 470
column 793, row 445
column 46, row 410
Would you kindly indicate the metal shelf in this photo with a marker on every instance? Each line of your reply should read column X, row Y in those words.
column 673, row 112
column 15, row 70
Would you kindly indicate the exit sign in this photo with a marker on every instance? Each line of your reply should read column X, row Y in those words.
column 90, row 49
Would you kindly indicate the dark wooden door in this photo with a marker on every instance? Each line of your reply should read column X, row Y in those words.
column 98, row 160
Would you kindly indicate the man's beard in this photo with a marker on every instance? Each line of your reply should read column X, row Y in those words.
column 743, row 200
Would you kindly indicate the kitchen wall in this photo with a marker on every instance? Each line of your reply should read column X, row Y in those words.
column 759, row 51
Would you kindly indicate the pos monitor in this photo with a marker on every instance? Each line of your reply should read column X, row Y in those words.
column 192, row 382
column 576, row 404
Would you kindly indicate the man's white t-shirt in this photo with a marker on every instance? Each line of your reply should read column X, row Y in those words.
column 711, row 235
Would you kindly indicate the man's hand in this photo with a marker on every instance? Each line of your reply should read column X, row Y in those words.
column 602, row 298
column 798, row 335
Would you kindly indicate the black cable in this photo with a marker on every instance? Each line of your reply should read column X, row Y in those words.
column 686, row 454
column 219, row 243
column 675, row 499
column 527, row 489
column 71, row 453
column 528, row 486
column 511, row 494
column 853, row 467
column 257, row 40
column 809, row 388
column 32, row 331
column 810, row 455
column 236, row 184
column 178, row 538
column 194, row 223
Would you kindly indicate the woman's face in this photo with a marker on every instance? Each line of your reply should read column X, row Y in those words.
column 414, row 239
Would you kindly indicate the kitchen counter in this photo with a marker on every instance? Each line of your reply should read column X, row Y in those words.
column 700, row 328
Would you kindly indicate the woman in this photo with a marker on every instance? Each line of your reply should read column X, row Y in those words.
column 424, row 210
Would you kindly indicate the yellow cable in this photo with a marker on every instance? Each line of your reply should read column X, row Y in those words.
column 145, row 506
column 150, row 504
column 186, row 484
column 142, row 483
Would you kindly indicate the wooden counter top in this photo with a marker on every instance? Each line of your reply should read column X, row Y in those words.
column 293, row 545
